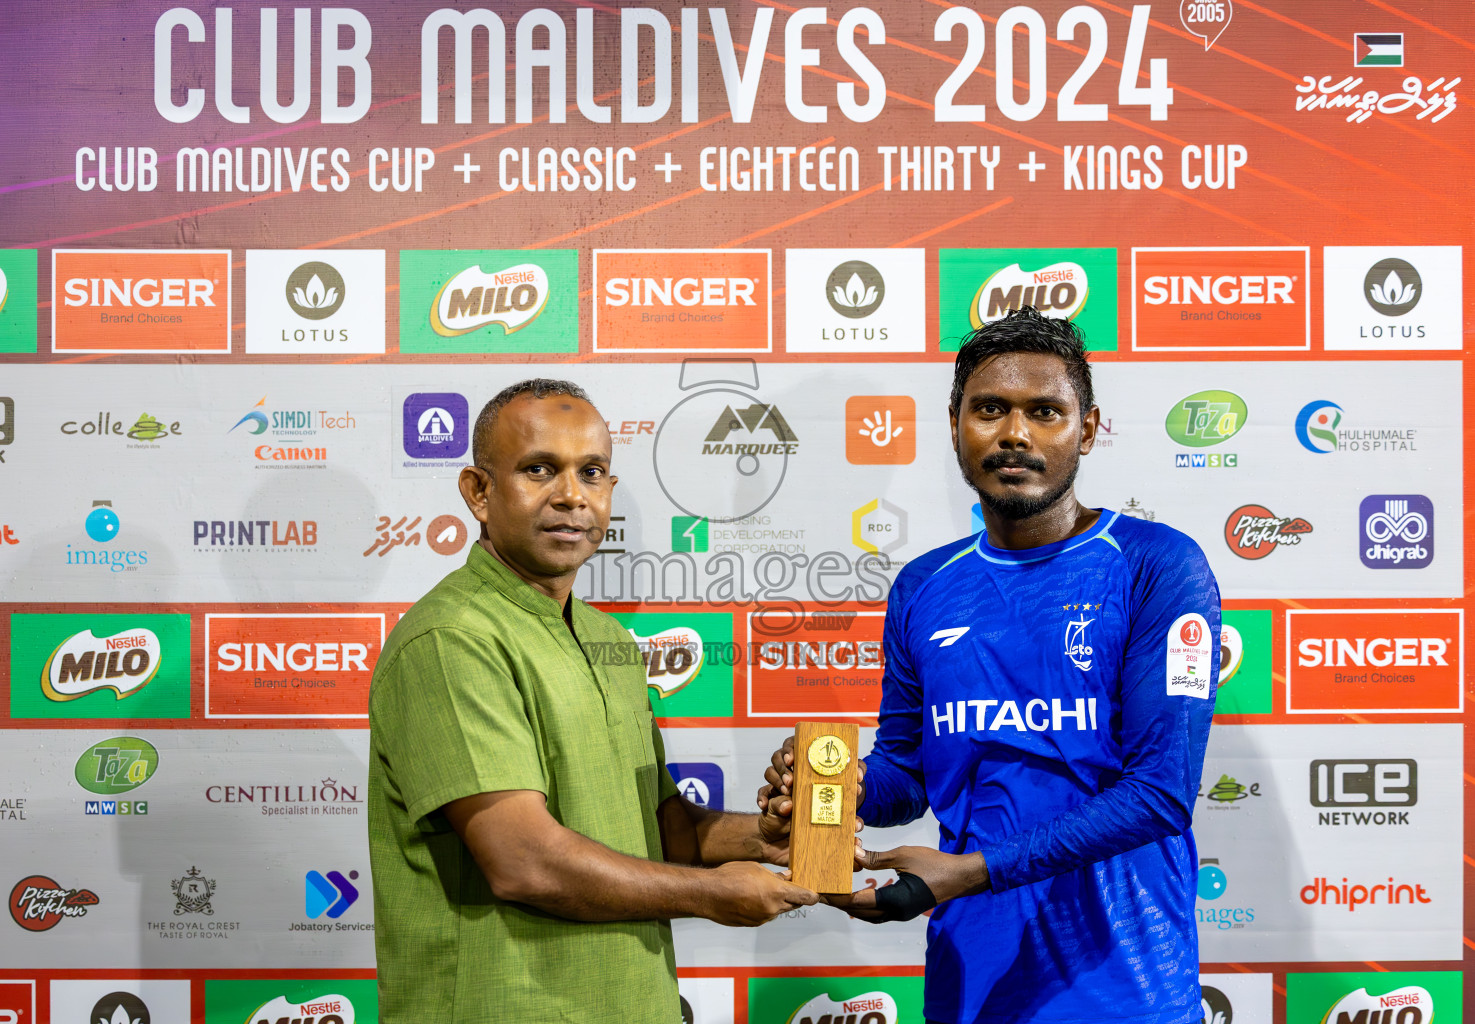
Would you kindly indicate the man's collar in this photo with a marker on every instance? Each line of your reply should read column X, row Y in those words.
column 512, row 586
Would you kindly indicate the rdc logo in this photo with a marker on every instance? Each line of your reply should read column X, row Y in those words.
column 1397, row 531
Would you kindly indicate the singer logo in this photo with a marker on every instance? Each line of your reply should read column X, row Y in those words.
column 474, row 298
column 290, row 666
column 1221, row 300
column 1374, row 660
column 832, row 666
column 682, row 300
column 137, row 300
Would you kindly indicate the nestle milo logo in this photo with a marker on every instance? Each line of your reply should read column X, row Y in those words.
column 116, row 765
column 1206, row 418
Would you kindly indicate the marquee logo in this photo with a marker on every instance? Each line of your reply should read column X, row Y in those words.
column 299, row 301
column 682, row 300
column 1400, row 298
column 38, row 904
column 290, row 665
column 117, row 765
column 512, row 298
column 138, row 300
column 1374, row 660
column 1397, row 531
column 980, row 286
column 83, row 663
column 1253, row 531
column 833, row 666
column 1221, row 299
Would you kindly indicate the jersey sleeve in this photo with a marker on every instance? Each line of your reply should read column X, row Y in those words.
column 455, row 724
column 1170, row 672
column 894, row 790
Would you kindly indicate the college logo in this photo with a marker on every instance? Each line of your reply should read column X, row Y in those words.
column 1400, row 298
column 136, row 300
column 1226, row 300
column 855, row 300
column 1377, row 50
column 1374, row 660
column 979, row 286
column 880, row 430
column 437, row 425
column 1397, row 531
column 120, row 1008
column 38, row 903
column 117, row 765
column 879, row 527
column 489, row 301
column 330, row 894
column 831, row 664
column 192, row 892
column 688, row 661
column 698, row 781
column 1229, row 791
column 17, row 305
column 1253, row 531
column 1358, row 784
column 299, row 301
column 100, row 666
column 83, row 663
column 682, row 300
column 1206, row 418
column 290, row 665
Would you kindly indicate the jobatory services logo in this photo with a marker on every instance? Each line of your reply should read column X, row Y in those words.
column 1203, row 420
column 489, row 300
column 1394, row 997
column 437, row 426
column 869, row 1000
column 1377, row 50
column 267, row 1001
column 1374, row 792
column 314, row 302
column 329, row 894
column 855, row 300
column 1392, row 298
column 289, row 665
column 683, row 300
column 139, row 300
column 100, row 666
column 1397, row 531
column 1232, row 299
column 443, row 534
column 831, row 663
column 688, row 660
column 1374, row 660
column 116, row 765
column 879, row 527
column 698, row 781
column 880, row 430
column 18, row 300
column 38, row 903
column 979, row 286
column 1253, row 531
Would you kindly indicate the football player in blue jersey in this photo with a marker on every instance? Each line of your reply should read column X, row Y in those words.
column 1048, row 692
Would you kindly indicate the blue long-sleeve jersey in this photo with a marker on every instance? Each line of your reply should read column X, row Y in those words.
column 1052, row 707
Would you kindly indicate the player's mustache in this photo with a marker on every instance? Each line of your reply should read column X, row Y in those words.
column 1000, row 460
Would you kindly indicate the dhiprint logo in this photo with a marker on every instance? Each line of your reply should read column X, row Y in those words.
column 880, row 430
column 1393, row 287
column 1326, row 892
column 698, row 781
column 1397, row 531
column 436, row 425
column 37, row 903
column 855, row 289
column 1076, row 648
column 1253, row 531
column 332, row 894
column 315, row 290
column 855, row 300
column 300, row 301
column 1392, row 298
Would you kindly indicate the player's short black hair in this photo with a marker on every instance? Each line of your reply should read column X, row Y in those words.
column 538, row 387
column 1025, row 330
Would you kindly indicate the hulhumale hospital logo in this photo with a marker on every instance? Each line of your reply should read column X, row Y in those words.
column 1316, row 426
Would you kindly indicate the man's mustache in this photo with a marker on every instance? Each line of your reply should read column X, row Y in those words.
column 1012, row 460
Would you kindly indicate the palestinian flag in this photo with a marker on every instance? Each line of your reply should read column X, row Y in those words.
column 1377, row 50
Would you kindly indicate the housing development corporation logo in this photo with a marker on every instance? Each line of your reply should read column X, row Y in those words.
column 682, row 300
column 1253, row 531
column 489, row 300
column 979, row 286
column 305, row 301
column 100, row 666
column 38, row 903
column 1400, row 298
column 138, row 300
column 1221, row 299
column 855, row 300
column 1397, row 531
column 1374, row 660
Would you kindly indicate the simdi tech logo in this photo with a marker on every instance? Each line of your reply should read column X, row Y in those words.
column 1232, row 299
column 100, row 666
column 1374, row 660
column 286, row 665
column 1392, row 298
column 978, row 286
column 489, row 300
column 306, row 301
column 855, row 300
column 869, row 1000
column 683, row 300
column 1384, row 997
column 140, row 300
column 688, row 661
column 17, row 302
column 268, row 1001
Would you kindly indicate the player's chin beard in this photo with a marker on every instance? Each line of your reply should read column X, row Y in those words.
column 1017, row 507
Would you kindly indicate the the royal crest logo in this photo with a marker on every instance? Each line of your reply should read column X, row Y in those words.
column 192, row 892
column 474, row 299
column 1077, row 649
column 38, row 903
column 1253, row 531
column 83, row 663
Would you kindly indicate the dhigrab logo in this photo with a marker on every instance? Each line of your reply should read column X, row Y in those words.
column 1397, row 531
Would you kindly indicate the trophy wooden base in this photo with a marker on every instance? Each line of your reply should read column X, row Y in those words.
column 822, row 837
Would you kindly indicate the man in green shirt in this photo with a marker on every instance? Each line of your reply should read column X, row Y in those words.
column 527, row 842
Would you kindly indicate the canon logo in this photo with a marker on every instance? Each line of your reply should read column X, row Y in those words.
column 1251, row 289
column 683, row 291
column 300, row 657
column 1379, row 652
column 143, row 291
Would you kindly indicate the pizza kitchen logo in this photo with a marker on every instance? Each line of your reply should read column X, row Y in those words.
column 38, row 903
column 1253, row 531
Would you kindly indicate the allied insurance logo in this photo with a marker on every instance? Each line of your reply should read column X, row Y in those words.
column 683, row 300
column 1374, row 660
column 489, row 300
column 1234, row 299
column 291, row 665
column 100, row 666
column 979, row 286
column 140, row 300
column 830, row 663
column 855, row 300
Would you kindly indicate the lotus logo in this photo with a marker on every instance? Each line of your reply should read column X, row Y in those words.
column 474, row 299
column 867, row 1008
column 855, row 289
column 1393, row 287
column 120, row 1008
column 83, row 663
column 1356, row 1006
column 315, row 291
column 322, row 1007
column 673, row 658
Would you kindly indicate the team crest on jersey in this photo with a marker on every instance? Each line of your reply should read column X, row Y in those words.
column 1077, row 643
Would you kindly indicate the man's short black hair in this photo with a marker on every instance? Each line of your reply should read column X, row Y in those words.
column 1025, row 330
column 538, row 387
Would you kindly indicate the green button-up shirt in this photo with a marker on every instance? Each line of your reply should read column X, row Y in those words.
column 482, row 688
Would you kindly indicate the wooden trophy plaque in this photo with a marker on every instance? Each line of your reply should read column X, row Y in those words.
column 822, row 839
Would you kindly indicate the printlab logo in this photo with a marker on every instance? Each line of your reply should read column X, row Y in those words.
column 38, row 903
column 1404, row 298
column 698, row 781
column 1077, row 645
column 258, row 535
column 303, row 302
column 437, row 425
column 315, row 290
column 880, row 430
column 117, row 765
column 879, row 527
column 332, row 894
column 192, row 892
column 1253, row 531
column 1397, row 531
column 120, row 1008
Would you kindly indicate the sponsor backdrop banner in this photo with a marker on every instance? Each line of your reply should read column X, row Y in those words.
column 254, row 292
